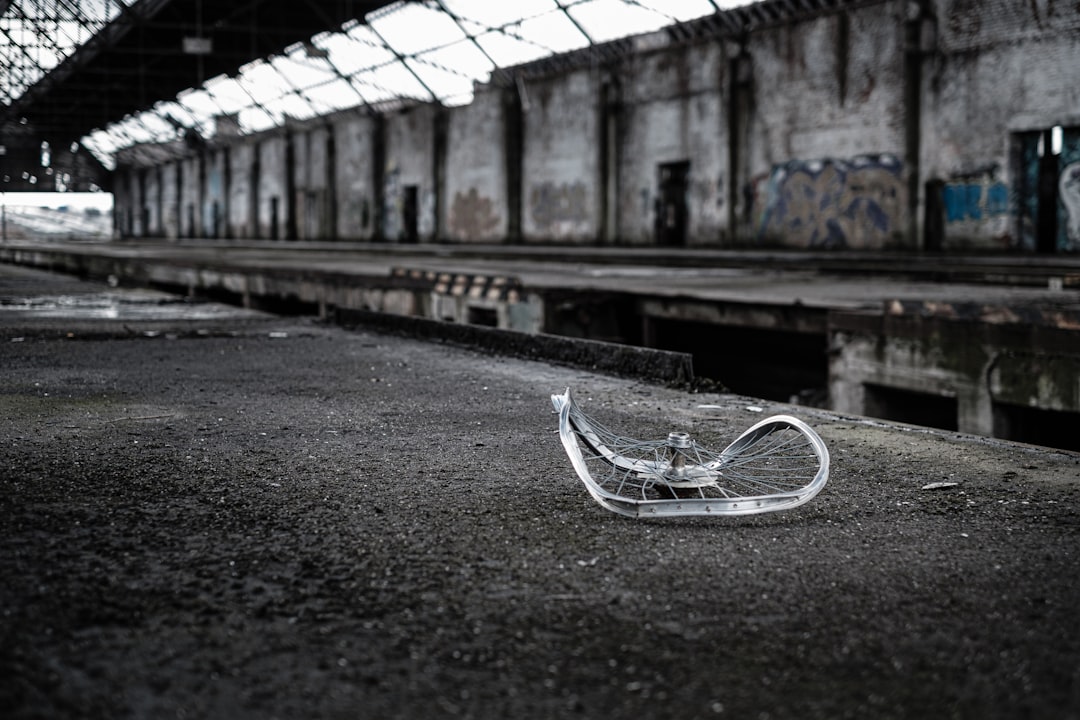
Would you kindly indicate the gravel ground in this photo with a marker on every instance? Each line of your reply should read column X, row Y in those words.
column 233, row 515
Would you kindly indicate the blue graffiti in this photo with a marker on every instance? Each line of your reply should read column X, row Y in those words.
column 965, row 201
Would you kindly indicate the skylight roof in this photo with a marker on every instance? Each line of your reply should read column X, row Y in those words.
column 425, row 50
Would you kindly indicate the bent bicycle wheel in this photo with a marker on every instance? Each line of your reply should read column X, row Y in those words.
column 778, row 464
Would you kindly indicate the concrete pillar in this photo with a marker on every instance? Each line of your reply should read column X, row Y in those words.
column 740, row 99
column 378, row 167
column 290, row 187
column 329, row 209
column 513, row 149
column 913, row 58
column 608, row 191
column 439, row 172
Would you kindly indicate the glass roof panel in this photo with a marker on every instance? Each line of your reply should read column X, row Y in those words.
column 507, row 50
column 607, row 20
column 557, row 30
column 683, row 10
column 428, row 50
column 490, row 15
column 336, row 94
column 414, row 28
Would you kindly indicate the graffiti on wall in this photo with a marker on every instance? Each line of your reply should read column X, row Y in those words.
column 976, row 195
column 472, row 216
column 832, row 203
column 560, row 210
column 1069, row 192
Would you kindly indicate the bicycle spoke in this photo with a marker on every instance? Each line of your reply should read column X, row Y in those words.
column 778, row 463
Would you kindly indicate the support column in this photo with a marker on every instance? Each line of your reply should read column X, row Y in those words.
column 739, row 110
column 513, row 148
column 378, row 169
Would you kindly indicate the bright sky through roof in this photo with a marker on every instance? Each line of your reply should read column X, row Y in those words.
column 408, row 50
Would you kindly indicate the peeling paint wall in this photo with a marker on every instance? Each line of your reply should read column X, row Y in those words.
column 239, row 190
column 476, row 202
column 214, row 200
column 152, row 202
column 191, row 170
column 560, row 163
column 873, row 125
column 998, row 70
column 272, row 205
column 353, row 171
column 408, row 189
column 170, row 209
column 672, row 111
column 827, row 133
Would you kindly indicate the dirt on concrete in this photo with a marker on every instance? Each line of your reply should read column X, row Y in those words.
column 257, row 517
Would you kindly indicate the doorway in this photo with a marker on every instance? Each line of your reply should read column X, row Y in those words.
column 410, row 214
column 1048, row 212
column 671, row 209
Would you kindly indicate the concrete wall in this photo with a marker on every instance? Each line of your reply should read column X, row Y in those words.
column 312, row 184
column 828, row 131
column 907, row 124
column 354, row 175
column 215, row 195
column 560, row 158
column 408, row 182
column 239, row 190
column 476, row 190
column 985, row 366
column 190, row 196
column 152, row 201
column 997, row 68
column 671, row 111
column 272, row 206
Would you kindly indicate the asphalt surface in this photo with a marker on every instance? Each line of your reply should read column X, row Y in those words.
column 214, row 513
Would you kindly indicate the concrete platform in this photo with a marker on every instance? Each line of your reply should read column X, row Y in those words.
column 240, row 515
column 985, row 344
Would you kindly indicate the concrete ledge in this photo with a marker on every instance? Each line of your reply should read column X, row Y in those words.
column 656, row 366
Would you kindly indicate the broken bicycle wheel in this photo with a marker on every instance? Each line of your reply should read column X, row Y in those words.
column 777, row 464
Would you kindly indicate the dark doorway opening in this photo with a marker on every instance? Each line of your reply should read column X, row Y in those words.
column 1046, row 224
column 910, row 406
column 934, row 220
column 483, row 316
column 1049, row 428
column 671, row 210
column 410, row 214
column 768, row 364
column 1048, row 189
column 274, row 233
